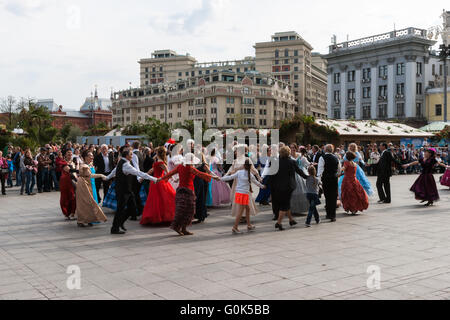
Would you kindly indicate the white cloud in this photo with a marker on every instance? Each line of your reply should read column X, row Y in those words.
column 49, row 52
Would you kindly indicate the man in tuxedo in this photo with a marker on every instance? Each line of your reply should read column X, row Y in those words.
column 104, row 164
column 384, row 173
column 317, row 154
column 125, row 174
column 329, row 168
column 138, row 163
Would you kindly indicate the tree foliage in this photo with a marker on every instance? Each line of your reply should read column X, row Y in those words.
column 154, row 130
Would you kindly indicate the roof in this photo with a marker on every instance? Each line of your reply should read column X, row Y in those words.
column 435, row 126
column 49, row 104
column 96, row 104
column 373, row 128
column 72, row 114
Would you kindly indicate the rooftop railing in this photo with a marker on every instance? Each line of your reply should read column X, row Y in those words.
column 379, row 38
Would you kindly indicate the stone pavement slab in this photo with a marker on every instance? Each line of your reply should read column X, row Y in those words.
column 408, row 242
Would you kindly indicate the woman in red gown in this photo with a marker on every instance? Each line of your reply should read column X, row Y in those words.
column 353, row 196
column 67, row 187
column 160, row 205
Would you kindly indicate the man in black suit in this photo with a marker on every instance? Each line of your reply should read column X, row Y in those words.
column 384, row 173
column 329, row 169
column 104, row 164
column 317, row 154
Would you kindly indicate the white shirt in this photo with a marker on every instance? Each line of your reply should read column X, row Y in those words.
column 242, row 181
column 135, row 159
column 128, row 169
column 322, row 166
column 106, row 161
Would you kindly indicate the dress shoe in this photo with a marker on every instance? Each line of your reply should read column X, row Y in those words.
column 279, row 226
column 333, row 220
column 117, row 232
column 387, row 201
column 292, row 223
column 123, row 228
column 381, row 201
column 133, row 218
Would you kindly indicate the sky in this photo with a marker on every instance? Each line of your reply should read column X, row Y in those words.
column 61, row 49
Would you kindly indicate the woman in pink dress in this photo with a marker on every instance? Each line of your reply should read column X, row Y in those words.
column 160, row 205
column 220, row 190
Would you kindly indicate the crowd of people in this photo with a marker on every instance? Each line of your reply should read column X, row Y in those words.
column 169, row 185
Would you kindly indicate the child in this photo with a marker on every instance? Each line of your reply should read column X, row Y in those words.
column 312, row 194
column 244, row 191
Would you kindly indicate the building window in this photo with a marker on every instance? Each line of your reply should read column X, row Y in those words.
column 337, row 96
column 277, row 53
column 337, row 78
column 286, row 61
column 382, row 91
column 382, row 111
column 438, row 109
column 351, row 76
column 400, row 110
column 295, row 53
column 295, row 85
column 366, row 92
column 433, row 69
column 419, row 110
column 351, row 95
column 296, row 77
column 296, row 69
column 366, row 112
column 337, row 113
column 351, row 112
column 383, row 71
column 366, row 74
column 400, row 88
column 277, row 62
column 400, row 69
column 419, row 68
column 187, row 74
column 419, row 88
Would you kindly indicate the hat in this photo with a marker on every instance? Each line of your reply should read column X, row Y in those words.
column 190, row 158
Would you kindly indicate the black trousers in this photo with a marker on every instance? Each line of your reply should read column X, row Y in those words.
column 330, row 190
column 3, row 179
column 137, row 199
column 98, row 184
column 123, row 200
column 384, row 183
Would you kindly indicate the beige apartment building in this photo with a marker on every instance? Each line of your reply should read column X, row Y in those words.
column 286, row 63
column 288, row 57
column 222, row 99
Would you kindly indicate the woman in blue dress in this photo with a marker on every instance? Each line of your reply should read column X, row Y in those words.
column 360, row 175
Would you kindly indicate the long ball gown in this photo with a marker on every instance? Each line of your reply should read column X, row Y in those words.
column 353, row 196
column 425, row 188
column 360, row 175
column 88, row 210
column 160, row 205
column 67, row 199
column 110, row 200
column 185, row 202
column 220, row 191
column 299, row 202
column 264, row 194
column 201, row 193
column 445, row 180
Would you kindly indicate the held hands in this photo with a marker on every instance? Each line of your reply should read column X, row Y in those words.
column 104, row 178
column 405, row 166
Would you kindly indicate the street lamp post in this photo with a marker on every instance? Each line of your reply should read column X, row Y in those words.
column 444, row 54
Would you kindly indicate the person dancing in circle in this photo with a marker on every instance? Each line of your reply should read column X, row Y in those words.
column 425, row 186
column 353, row 196
column 185, row 196
column 243, row 193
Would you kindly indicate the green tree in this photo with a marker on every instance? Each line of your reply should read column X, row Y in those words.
column 74, row 132
column 65, row 131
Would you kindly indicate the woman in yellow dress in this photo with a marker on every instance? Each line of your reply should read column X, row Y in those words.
column 88, row 210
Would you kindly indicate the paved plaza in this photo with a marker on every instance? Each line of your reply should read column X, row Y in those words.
column 409, row 243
